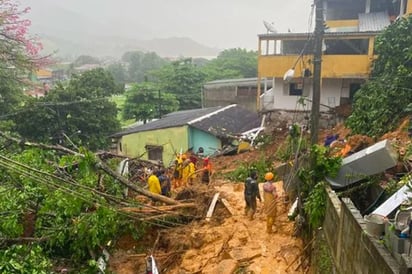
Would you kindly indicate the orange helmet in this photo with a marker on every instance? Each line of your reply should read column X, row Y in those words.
column 269, row 176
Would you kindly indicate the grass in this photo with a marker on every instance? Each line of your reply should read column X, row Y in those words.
column 119, row 100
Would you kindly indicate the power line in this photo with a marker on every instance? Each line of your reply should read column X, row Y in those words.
column 51, row 104
column 31, row 174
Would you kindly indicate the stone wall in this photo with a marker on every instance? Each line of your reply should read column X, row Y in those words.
column 352, row 249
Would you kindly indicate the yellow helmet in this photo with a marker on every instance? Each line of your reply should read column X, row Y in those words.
column 269, row 176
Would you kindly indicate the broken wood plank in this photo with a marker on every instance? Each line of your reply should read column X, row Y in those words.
column 228, row 206
column 212, row 207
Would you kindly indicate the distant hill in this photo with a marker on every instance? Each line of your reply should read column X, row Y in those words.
column 72, row 34
column 115, row 46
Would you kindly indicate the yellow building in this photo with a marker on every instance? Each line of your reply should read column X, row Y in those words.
column 347, row 55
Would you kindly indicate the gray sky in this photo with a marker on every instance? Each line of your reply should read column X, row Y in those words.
column 215, row 23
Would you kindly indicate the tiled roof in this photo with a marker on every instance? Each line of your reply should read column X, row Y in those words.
column 219, row 121
column 375, row 21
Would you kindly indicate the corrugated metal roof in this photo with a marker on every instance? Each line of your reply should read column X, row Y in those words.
column 230, row 121
column 304, row 36
column 375, row 21
column 232, row 81
column 218, row 121
column 174, row 119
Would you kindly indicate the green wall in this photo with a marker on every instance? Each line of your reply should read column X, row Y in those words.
column 172, row 139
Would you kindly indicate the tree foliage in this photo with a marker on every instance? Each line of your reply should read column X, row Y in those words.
column 384, row 99
column 232, row 63
column 140, row 64
column 119, row 73
column 80, row 112
column 184, row 80
column 20, row 52
column 146, row 101
column 19, row 55
column 58, row 205
column 85, row 59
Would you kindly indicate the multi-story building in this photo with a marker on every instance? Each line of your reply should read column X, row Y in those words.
column 347, row 54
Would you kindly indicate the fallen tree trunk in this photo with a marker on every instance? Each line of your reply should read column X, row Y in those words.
column 140, row 190
column 157, row 209
column 101, row 165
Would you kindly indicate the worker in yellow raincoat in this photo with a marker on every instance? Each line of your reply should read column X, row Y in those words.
column 177, row 172
column 189, row 172
column 269, row 201
column 153, row 183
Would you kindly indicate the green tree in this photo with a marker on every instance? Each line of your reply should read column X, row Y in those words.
column 118, row 72
column 232, row 63
column 140, row 64
column 80, row 111
column 94, row 83
column 145, row 101
column 85, row 59
column 384, row 99
column 184, row 80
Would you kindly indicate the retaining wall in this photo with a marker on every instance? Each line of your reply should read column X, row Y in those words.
column 352, row 249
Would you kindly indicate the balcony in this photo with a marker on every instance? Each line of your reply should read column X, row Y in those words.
column 345, row 55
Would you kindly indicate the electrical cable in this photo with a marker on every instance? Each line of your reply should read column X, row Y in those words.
column 85, row 199
column 84, row 187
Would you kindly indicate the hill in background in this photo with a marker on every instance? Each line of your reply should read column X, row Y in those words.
column 72, row 34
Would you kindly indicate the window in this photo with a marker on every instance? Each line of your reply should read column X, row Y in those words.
column 346, row 46
column 295, row 89
column 154, row 153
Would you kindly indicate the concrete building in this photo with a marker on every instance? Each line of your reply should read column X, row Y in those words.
column 348, row 52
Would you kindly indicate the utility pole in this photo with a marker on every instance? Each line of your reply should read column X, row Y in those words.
column 317, row 62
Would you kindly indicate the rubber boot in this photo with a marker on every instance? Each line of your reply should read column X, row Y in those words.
column 251, row 214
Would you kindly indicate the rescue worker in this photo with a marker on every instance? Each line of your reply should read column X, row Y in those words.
column 206, row 171
column 192, row 172
column 269, row 201
column 177, row 173
column 153, row 183
column 251, row 193
column 164, row 183
column 187, row 170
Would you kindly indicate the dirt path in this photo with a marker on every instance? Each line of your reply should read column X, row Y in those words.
column 239, row 245
column 225, row 244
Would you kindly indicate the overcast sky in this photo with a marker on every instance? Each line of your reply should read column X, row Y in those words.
column 215, row 23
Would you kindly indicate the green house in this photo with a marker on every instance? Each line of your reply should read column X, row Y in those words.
column 210, row 128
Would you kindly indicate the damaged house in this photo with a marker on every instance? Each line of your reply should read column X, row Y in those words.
column 210, row 128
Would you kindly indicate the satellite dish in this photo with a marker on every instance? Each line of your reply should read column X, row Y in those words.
column 270, row 27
